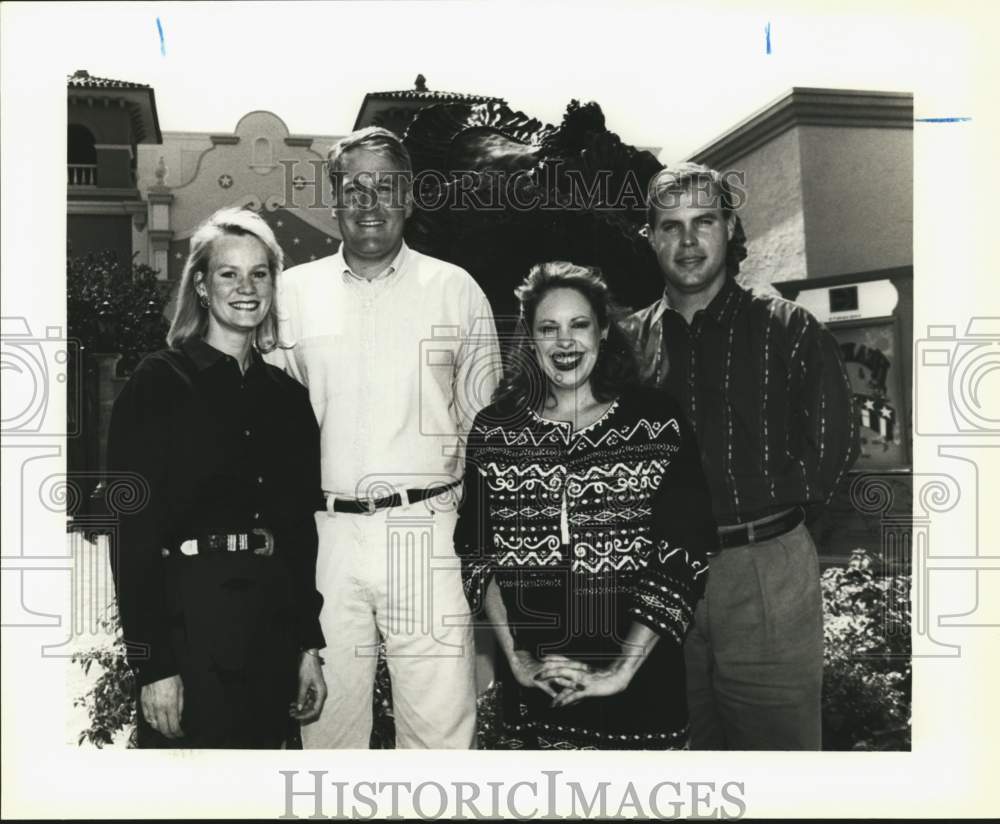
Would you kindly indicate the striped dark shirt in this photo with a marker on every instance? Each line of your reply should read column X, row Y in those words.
column 763, row 384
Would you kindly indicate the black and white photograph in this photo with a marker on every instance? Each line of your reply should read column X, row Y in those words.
column 476, row 377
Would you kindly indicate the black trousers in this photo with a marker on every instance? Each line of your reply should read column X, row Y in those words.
column 232, row 637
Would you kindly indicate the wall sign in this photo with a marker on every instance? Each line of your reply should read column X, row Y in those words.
column 870, row 350
column 855, row 301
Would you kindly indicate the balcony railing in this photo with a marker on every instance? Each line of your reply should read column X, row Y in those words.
column 82, row 174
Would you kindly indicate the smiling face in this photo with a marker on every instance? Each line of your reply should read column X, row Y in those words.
column 689, row 237
column 238, row 285
column 567, row 338
column 375, row 203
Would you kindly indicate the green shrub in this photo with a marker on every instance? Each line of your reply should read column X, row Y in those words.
column 110, row 703
column 135, row 301
column 866, row 685
column 867, row 656
column 383, row 735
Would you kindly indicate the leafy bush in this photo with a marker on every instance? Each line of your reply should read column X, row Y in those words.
column 383, row 735
column 110, row 702
column 489, row 717
column 867, row 679
column 135, row 301
column 866, row 685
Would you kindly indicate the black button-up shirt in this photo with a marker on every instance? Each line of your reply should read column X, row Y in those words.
column 763, row 383
column 221, row 451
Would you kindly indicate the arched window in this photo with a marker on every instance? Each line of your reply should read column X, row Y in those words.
column 80, row 145
column 81, row 156
column 262, row 152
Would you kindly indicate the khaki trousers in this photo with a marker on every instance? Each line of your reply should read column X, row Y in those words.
column 394, row 573
column 754, row 656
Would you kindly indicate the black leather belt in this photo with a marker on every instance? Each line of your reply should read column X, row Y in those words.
column 762, row 529
column 259, row 541
column 369, row 506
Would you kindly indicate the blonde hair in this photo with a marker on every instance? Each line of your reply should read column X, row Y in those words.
column 190, row 317
column 374, row 139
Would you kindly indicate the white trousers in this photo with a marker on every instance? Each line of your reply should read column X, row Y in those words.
column 394, row 572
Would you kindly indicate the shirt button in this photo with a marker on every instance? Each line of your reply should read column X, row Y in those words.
column 260, row 479
column 256, row 516
column 246, row 433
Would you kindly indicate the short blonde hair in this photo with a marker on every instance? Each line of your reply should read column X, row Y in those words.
column 374, row 139
column 190, row 317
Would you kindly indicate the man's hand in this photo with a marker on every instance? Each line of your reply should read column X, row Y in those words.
column 578, row 680
column 163, row 704
column 312, row 688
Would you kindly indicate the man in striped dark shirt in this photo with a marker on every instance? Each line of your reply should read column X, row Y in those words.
column 764, row 386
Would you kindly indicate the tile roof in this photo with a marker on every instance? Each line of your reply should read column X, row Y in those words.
column 414, row 94
column 83, row 80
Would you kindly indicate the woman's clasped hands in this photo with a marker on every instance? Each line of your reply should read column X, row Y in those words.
column 570, row 680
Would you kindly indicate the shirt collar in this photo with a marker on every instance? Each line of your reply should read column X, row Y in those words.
column 205, row 356
column 661, row 306
column 719, row 307
column 350, row 277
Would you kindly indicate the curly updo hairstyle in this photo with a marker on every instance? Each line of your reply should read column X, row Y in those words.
column 524, row 385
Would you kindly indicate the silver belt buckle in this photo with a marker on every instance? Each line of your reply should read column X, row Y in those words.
column 268, row 548
column 370, row 506
column 750, row 533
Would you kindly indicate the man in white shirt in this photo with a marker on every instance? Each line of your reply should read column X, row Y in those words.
column 399, row 352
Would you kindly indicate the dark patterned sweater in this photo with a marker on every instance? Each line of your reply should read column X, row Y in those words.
column 586, row 532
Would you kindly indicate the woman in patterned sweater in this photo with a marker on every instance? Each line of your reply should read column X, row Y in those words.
column 584, row 529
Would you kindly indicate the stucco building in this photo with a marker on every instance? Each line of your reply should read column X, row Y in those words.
column 107, row 122
column 828, row 175
column 259, row 164
column 829, row 215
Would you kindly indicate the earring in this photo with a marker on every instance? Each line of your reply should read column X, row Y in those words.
column 203, row 300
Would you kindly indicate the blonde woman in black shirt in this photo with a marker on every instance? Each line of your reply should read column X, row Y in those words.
column 215, row 574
